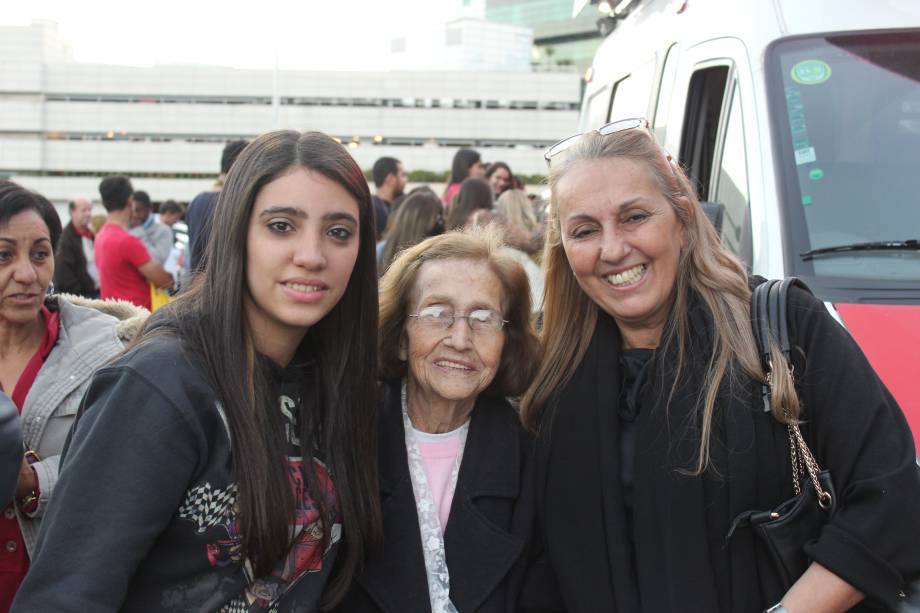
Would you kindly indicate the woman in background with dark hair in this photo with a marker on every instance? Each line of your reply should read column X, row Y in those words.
column 499, row 176
column 467, row 163
column 227, row 462
column 475, row 194
column 419, row 216
column 49, row 347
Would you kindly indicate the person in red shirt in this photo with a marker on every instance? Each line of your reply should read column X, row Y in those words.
column 125, row 266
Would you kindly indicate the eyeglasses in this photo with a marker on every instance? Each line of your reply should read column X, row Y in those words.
column 604, row 130
column 442, row 318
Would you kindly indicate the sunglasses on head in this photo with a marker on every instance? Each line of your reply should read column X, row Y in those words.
column 604, row 130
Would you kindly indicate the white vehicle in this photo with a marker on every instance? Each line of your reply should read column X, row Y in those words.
column 801, row 118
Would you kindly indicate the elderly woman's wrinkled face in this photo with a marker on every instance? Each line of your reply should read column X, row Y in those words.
column 622, row 239
column 454, row 363
column 26, row 267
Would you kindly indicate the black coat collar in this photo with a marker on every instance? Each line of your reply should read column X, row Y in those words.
column 480, row 552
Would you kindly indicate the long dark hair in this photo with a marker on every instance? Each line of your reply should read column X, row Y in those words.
column 210, row 318
column 416, row 219
column 463, row 161
column 475, row 193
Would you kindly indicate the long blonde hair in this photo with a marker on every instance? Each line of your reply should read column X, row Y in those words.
column 516, row 207
column 705, row 267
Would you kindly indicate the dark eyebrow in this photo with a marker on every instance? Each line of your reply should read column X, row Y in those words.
column 13, row 241
column 282, row 209
column 342, row 216
column 298, row 212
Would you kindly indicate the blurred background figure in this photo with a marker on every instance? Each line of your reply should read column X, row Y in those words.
column 467, row 163
column 524, row 236
column 96, row 222
column 170, row 212
column 201, row 208
column 420, row 215
column 517, row 209
column 157, row 237
column 474, row 194
column 49, row 348
column 390, row 181
column 75, row 264
column 499, row 176
column 125, row 267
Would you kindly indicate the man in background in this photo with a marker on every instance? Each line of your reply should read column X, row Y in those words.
column 125, row 266
column 201, row 208
column 74, row 263
column 157, row 237
column 169, row 213
column 390, row 181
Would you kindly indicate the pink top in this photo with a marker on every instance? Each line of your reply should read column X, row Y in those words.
column 452, row 190
column 439, row 454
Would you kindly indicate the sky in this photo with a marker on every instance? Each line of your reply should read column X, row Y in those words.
column 304, row 34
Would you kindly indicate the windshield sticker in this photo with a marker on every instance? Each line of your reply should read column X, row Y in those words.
column 811, row 72
column 815, row 174
column 805, row 156
column 804, row 152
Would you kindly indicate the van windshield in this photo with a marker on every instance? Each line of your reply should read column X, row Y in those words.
column 847, row 118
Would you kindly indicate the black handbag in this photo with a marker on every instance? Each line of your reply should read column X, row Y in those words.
column 786, row 529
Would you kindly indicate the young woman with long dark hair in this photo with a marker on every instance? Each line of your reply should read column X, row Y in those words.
column 227, row 462
column 466, row 163
column 475, row 194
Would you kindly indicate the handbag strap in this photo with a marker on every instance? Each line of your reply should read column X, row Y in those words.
column 769, row 306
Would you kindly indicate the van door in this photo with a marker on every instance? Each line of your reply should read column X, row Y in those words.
column 713, row 114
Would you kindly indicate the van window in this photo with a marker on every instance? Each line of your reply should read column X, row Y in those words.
column 731, row 188
column 631, row 94
column 701, row 124
column 665, row 89
column 846, row 114
column 598, row 107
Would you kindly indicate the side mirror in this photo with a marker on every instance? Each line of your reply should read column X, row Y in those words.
column 715, row 211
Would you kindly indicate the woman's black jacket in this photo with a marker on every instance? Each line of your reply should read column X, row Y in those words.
column 488, row 532
column 677, row 557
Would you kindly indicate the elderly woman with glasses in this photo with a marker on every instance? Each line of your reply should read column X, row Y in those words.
column 653, row 436
column 455, row 342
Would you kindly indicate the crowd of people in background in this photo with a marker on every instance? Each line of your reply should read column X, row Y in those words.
column 530, row 407
column 132, row 269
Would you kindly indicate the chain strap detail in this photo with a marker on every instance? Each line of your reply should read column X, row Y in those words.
column 802, row 459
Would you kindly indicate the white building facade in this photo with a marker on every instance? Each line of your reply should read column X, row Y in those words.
column 64, row 125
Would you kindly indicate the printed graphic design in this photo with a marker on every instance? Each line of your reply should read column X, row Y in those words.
column 310, row 544
column 208, row 506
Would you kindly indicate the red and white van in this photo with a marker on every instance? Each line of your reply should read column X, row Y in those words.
column 802, row 119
